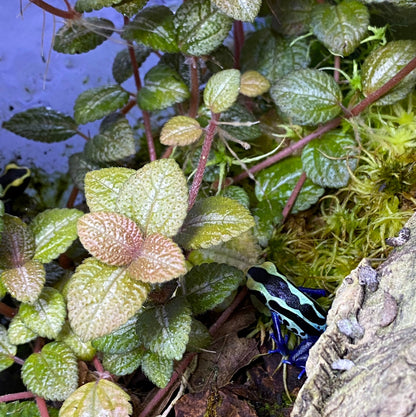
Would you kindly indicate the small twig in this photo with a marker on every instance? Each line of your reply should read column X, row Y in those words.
column 66, row 14
column 43, row 410
column 206, row 147
column 194, row 100
column 128, row 106
column 238, row 42
column 16, row 396
column 337, row 66
column 72, row 197
column 293, row 196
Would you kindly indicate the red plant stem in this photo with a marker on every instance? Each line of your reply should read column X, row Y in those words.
column 7, row 310
column 238, row 42
column 98, row 365
column 43, row 410
column 167, row 152
column 206, row 147
column 72, row 197
column 129, row 106
column 16, row 396
column 293, row 196
column 19, row 361
column 332, row 124
column 83, row 135
column 337, row 66
column 70, row 14
column 194, row 100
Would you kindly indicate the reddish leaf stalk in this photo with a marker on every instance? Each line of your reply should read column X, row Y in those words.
column 337, row 66
column 72, row 197
column 43, row 410
column 129, row 106
column 7, row 310
column 238, row 42
column 293, row 196
column 332, row 124
column 65, row 14
column 16, row 396
column 206, row 147
column 98, row 365
column 194, row 100
column 19, row 361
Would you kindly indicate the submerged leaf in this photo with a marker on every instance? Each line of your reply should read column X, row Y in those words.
column 101, row 298
column 52, row 373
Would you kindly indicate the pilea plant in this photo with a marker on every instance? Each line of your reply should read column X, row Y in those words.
column 165, row 237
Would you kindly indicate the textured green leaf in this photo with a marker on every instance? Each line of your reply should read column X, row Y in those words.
column 180, row 131
column 200, row 27
column 222, row 90
column 79, row 166
column 157, row 368
column 241, row 252
column 253, row 84
column 208, row 285
column 103, row 186
column 199, row 337
column 238, row 194
column 42, row 124
column 164, row 329
column 52, row 373
column 273, row 56
column 122, row 67
column 340, row 27
column 239, row 116
column 7, row 350
column 156, row 197
column 245, row 10
column 267, row 215
column 123, row 363
column 214, row 220
column 18, row 332
column 153, row 27
column 54, row 232
column 130, row 7
column 110, row 237
column 24, row 409
column 99, row 398
column 163, row 87
column 159, row 259
column 329, row 160
column 122, row 340
column 114, row 142
column 46, row 315
column 385, row 62
column 297, row 16
column 90, row 5
column 278, row 181
column 82, row 35
column 101, row 298
column 17, row 243
column 83, row 350
column 25, row 282
column 95, row 103
column 308, row 97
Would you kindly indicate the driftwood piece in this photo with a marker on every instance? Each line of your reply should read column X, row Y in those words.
column 364, row 365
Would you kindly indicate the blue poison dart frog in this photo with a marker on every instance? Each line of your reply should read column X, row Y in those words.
column 292, row 306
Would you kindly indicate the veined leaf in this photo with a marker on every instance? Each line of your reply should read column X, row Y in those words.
column 7, row 350
column 297, row 15
column 114, row 142
column 90, row 5
column 253, row 84
column 157, row 368
column 24, row 409
column 385, row 62
column 153, row 27
column 278, row 181
column 267, row 215
column 200, row 27
column 159, row 259
column 199, row 337
column 18, row 333
column 163, row 87
column 110, row 237
column 222, row 90
column 308, row 97
column 82, row 35
column 208, row 285
column 101, row 298
column 122, row 68
column 17, row 244
column 164, row 329
column 103, row 186
column 54, row 232
column 156, row 197
column 79, row 166
column 245, row 10
column 123, row 363
column 95, row 103
column 100, row 398
column 238, row 194
column 214, row 220
column 130, row 7
column 180, row 131
column 46, row 315
column 52, row 373
column 239, row 115
column 122, row 340
column 328, row 161
column 42, row 124
column 25, row 282
column 340, row 27
column 83, row 350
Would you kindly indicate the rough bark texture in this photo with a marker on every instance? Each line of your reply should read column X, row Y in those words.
column 377, row 344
